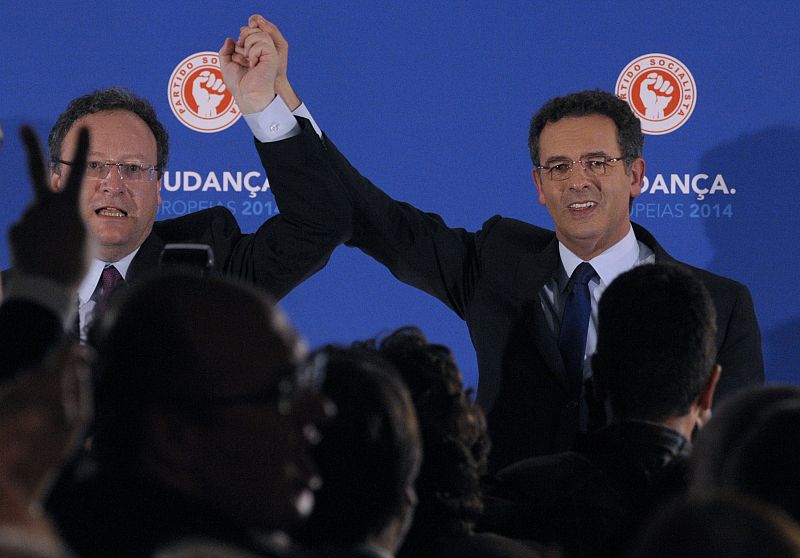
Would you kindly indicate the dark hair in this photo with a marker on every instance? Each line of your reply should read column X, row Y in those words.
column 586, row 103
column 655, row 342
column 718, row 525
column 111, row 99
column 369, row 454
column 164, row 346
column 766, row 463
column 455, row 442
column 733, row 419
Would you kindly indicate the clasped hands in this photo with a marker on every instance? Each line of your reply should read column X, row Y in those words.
column 254, row 67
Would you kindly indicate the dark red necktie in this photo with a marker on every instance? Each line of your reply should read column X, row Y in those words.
column 109, row 280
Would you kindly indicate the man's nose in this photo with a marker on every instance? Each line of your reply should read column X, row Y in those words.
column 113, row 181
column 581, row 176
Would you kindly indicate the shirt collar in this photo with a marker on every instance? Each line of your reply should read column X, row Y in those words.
column 92, row 277
column 620, row 257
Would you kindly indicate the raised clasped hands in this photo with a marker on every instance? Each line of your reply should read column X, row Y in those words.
column 254, row 67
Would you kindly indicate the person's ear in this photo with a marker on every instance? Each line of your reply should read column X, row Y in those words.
column 55, row 178
column 637, row 175
column 537, row 180
column 705, row 399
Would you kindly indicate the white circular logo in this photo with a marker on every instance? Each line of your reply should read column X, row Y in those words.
column 661, row 91
column 198, row 96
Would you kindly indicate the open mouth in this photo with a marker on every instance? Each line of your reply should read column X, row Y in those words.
column 110, row 212
column 582, row 205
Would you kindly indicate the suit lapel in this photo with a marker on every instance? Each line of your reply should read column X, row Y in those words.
column 146, row 260
column 643, row 235
column 533, row 272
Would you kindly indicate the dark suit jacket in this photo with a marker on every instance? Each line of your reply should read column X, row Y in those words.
column 277, row 257
column 491, row 279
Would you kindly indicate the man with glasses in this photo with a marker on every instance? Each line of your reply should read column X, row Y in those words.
column 531, row 317
column 121, row 193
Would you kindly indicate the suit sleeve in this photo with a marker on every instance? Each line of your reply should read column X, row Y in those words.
column 417, row 247
column 740, row 353
column 293, row 245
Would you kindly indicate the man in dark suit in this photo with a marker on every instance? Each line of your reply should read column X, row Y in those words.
column 511, row 281
column 120, row 198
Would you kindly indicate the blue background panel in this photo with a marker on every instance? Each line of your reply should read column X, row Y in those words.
column 432, row 102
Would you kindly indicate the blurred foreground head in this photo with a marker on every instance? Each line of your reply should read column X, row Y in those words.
column 202, row 386
column 369, row 456
column 44, row 412
column 655, row 344
column 718, row 525
column 455, row 441
column 750, row 446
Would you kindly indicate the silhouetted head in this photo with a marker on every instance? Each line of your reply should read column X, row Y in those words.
column 751, row 447
column 719, row 525
column 201, row 385
column 655, row 342
column 370, row 453
column 453, row 427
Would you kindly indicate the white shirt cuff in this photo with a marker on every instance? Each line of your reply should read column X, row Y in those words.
column 303, row 111
column 277, row 122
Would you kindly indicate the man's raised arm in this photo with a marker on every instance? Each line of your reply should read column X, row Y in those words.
column 304, row 166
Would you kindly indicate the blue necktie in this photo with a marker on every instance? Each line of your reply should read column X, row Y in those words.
column 575, row 325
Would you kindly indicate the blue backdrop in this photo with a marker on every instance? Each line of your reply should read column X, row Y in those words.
column 432, row 101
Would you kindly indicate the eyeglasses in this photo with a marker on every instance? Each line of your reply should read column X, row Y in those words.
column 597, row 165
column 129, row 172
column 294, row 382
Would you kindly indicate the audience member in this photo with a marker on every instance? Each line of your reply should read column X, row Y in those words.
column 751, row 447
column 44, row 400
column 50, row 250
column 722, row 435
column 455, row 450
column 655, row 370
column 512, row 282
column 369, row 458
column 203, row 425
column 43, row 416
column 718, row 525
